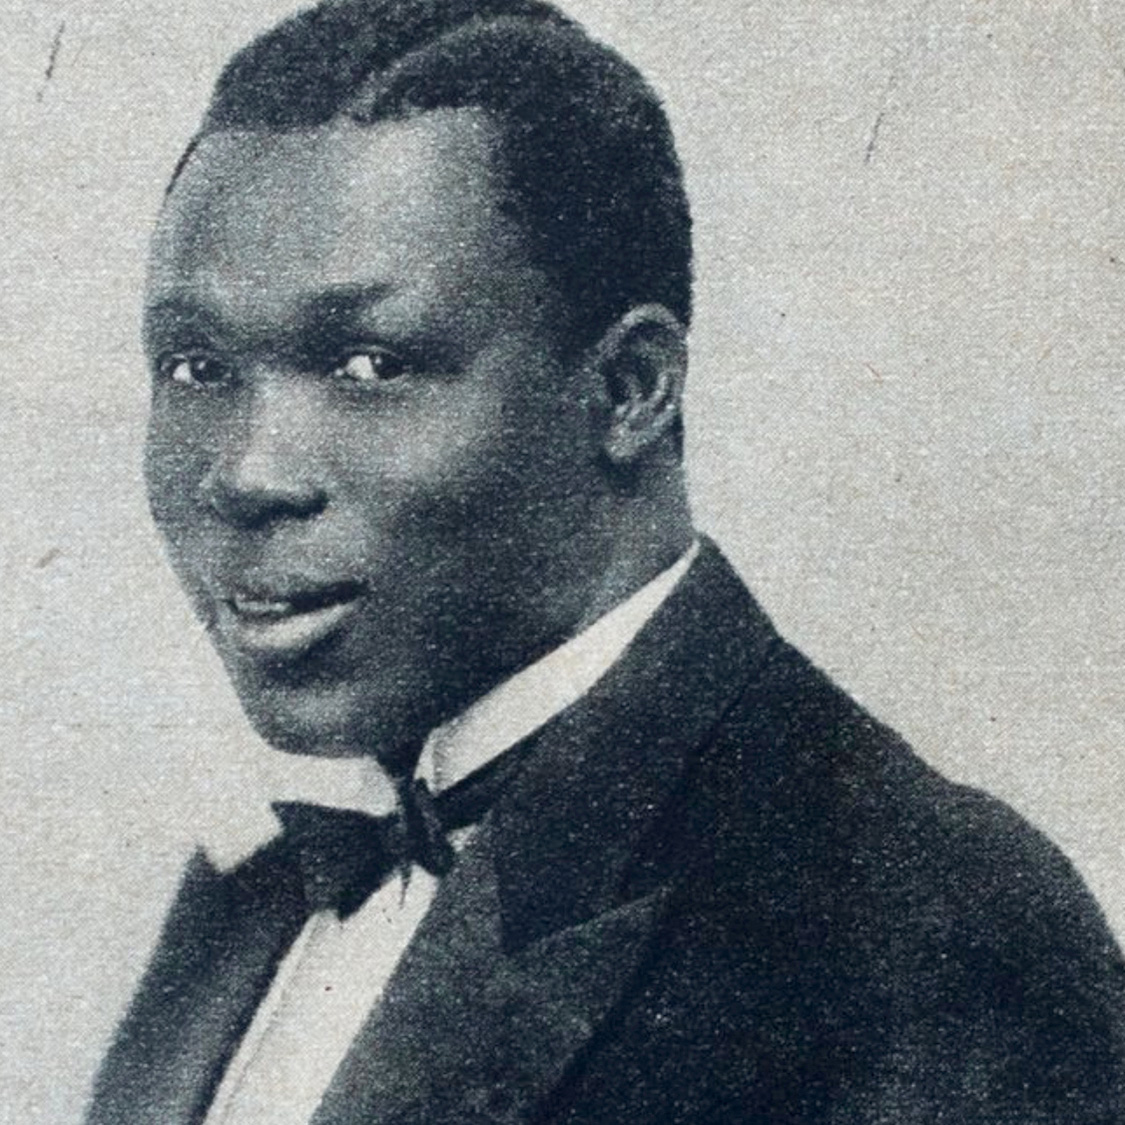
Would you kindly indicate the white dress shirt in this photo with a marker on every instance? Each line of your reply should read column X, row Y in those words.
column 335, row 972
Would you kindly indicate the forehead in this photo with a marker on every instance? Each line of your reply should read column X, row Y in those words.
column 333, row 206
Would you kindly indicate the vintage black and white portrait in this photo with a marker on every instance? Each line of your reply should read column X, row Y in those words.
column 563, row 562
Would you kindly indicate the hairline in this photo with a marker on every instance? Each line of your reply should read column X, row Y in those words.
column 504, row 198
column 508, row 199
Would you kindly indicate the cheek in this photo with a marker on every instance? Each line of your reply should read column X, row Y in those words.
column 444, row 445
column 510, row 430
column 486, row 489
column 168, row 471
column 175, row 461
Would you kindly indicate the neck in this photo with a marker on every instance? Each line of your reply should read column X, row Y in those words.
column 631, row 539
column 647, row 539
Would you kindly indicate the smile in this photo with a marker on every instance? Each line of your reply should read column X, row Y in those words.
column 271, row 626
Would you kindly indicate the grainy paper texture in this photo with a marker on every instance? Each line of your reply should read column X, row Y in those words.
column 906, row 420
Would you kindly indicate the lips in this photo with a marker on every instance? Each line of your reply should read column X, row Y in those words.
column 269, row 623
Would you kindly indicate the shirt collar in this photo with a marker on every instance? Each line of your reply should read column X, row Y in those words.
column 507, row 714
column 523, row 703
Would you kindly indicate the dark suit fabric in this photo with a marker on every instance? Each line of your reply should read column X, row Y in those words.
column 717, row 891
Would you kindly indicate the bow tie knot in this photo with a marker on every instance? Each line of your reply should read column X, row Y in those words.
column 343, row 856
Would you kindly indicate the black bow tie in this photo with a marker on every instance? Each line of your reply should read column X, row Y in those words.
column 343, row 856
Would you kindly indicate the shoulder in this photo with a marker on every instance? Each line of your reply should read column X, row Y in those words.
column 910, row 904
column 919, row 933
column 799, row 743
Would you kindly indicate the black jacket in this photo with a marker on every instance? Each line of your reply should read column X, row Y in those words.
column 718, row 891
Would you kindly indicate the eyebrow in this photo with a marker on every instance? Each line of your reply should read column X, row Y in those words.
column 176, row 310
column 344, row 301
column 335, row 304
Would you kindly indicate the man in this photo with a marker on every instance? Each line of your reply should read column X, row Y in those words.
column 416, row 316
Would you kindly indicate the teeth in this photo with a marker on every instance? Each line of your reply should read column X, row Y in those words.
column 254, row 607
column 283, row 628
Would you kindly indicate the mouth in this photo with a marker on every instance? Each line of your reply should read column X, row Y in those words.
column 268, row 625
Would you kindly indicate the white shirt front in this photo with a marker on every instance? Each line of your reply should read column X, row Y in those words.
column 335, row 972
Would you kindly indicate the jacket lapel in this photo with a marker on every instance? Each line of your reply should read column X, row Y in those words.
column 552, row 907
column 216, row 956
column 469, row 1033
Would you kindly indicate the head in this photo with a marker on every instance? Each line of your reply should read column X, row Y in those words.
column 416, row 319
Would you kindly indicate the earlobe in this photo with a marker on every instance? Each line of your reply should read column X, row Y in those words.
column 642, row 364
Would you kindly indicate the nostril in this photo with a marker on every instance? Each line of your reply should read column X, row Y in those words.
column 267, row 462
column 249, row 498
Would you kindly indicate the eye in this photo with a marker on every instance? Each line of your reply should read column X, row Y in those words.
column 369, row 367
column 193, row 370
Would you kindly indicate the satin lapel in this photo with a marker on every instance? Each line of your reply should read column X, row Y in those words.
column 550, row 910
column 469, row 1033
column 586, row 824
column 216, row 956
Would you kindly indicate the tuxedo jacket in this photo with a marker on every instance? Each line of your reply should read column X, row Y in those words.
column 717, row 891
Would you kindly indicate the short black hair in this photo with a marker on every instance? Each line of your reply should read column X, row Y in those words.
column 587, row 156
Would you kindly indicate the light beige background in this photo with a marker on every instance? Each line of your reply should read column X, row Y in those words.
column 907, row 427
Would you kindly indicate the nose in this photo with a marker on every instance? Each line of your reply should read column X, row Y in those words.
column 267, row 468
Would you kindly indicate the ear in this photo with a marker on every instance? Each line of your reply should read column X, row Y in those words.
column 641, row 363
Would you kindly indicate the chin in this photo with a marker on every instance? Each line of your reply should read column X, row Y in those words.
column 329, row 723
column 309, row 743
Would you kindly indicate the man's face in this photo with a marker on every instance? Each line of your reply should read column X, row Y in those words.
column 375, row 468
